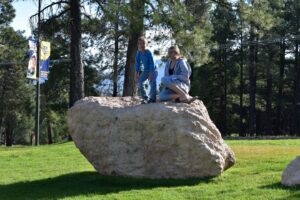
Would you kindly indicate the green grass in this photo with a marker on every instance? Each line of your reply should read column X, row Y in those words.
column 61, row 172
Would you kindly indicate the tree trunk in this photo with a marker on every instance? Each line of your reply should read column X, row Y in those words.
column 76, row 70
column 225, row 92
column 295, row 125
column 256, row 114
column 1, row 129
column 280, row 89
column 252, row 82
column 115, row 68
column 2, row 137
column 2, row 110
column 49, row 130
column 32, row 138
column 241, row 125
column 9, row 130
column 222, row 112
column 269, row 120
column 116, row 56
column 136, row 27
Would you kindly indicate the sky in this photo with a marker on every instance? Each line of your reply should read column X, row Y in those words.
column 24, row 9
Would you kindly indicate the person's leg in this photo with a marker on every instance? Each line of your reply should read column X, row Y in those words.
column 167, row 82
column 167, row 95
column 182, row 94
column 142, row 80
column 177, row 87
column 153, row 87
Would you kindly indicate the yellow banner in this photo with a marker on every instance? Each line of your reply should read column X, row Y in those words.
column 44, row 60
column 45, row 50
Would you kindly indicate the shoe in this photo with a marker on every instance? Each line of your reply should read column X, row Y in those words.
column 144, row 101
column 177, row 100
column 189, row 101
column 151, row 101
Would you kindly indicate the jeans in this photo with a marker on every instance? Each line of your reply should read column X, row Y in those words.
column 168, row 81
column 143, row 78
column 166, row 94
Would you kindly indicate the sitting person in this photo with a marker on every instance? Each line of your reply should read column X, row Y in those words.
column 176, row 82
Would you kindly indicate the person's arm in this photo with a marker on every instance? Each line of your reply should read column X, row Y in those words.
column 167, row 68
column 185, row 72
column 151, row 64
column 151, row 61
column 137, row 62
column 137, row 66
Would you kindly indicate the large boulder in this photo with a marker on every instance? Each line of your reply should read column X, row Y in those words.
column 121, row 136
column 291, row 175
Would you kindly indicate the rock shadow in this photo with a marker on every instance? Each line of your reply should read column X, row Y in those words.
column 295, row 191
column 84, row 183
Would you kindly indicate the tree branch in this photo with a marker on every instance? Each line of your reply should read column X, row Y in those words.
column 53, row 17
column 45, row 8
column 32, row 18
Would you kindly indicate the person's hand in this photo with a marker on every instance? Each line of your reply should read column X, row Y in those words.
column 173, row 78
column 136, row 76
column 150, row 76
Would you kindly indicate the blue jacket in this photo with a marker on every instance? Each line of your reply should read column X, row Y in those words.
column 146, row 58
column 182, row 71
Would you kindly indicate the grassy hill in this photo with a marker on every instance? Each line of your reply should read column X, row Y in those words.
column 61, row 172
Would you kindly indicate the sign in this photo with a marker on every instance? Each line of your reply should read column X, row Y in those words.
column 31, row 70
column 44, row 61
column 45, row 50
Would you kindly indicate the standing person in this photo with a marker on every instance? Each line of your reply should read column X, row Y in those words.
column 176, row 81
column 149, row 72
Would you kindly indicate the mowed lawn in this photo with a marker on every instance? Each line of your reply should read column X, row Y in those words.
column 61, row 172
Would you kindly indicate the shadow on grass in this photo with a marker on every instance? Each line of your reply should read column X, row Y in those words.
column 84, row 183
column 295, row 191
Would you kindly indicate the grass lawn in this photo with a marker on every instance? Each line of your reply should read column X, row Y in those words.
column 61, row 172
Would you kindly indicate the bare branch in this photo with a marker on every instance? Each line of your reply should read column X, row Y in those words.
column 33, row 19
column 53, row 17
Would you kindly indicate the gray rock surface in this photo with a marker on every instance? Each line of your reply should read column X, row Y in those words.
column 291, row 175
column 120, row 136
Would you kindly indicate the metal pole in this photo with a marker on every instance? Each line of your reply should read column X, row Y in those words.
column 37, row 108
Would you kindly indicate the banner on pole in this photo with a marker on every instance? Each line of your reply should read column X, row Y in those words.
column 44, row 61
column 45, row 50
column 31, row 70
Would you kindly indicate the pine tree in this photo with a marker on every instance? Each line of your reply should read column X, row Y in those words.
column 257, row 18
column 221, row 70
column 136, row 30
column 15, row 94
